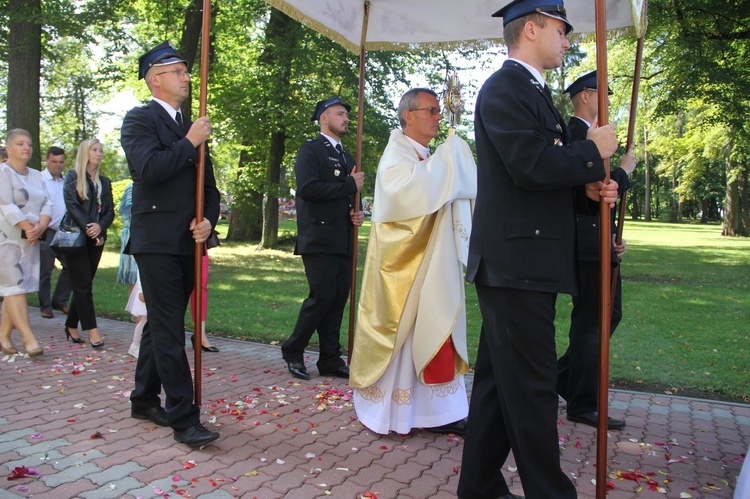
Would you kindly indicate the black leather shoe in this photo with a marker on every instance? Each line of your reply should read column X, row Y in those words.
column 341, row 372
column 592, row 419
column 156, row 415
column 195, row 436
column 206, row 349
column 457, row 428
column 298, row 369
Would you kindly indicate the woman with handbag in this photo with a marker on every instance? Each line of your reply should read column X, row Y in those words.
column 89, row 205
column 25, row 212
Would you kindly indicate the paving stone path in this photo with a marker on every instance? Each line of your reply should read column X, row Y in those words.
column 66, row 417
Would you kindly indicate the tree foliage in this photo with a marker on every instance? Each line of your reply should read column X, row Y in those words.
column 267, row 72
column 701, row 49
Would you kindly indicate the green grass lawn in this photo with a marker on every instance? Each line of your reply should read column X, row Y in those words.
column 686, row 305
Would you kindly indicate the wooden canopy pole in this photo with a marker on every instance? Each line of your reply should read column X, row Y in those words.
column 357, row 168
column 629, row 143
column 605, row 252
column 199, row 200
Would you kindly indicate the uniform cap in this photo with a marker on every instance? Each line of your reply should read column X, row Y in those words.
column 163, row 54
column 520, row 8
column 325, row 104
column 585, row 82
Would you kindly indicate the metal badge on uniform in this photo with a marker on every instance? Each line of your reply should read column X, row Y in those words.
column 336, row 172
column 558, row 142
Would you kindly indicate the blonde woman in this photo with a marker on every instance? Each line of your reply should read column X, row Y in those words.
column 25, row 212
column 88, row 201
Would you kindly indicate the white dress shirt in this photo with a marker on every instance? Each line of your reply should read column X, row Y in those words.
column 55, row 194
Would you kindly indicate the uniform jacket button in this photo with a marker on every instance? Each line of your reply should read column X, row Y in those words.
column 589, row 164
column 537, row 232
column 153, row 206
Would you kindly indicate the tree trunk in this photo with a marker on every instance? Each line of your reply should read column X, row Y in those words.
column 647, row 201
column 635, row 209
column 282, row 37
column 744, row 191
column 24, row 70
column 271, row 199
column 736, row 216
column 246, row 220
column 191, row 35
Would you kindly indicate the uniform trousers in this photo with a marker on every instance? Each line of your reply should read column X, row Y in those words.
column 167, row 282
column 578, row 368
column 82, row 269
column 62, row 291
column 513, row 401
column 329, row 277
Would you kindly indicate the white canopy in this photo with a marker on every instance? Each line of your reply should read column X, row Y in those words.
column 405, row 24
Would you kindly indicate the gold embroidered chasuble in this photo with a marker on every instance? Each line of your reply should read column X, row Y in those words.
column 412, row 288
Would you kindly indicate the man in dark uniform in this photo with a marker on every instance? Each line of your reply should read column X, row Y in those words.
column 522, row 253
column 578, row 368
column 325, row 218
column 161, row 149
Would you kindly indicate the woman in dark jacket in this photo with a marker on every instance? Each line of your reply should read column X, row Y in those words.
column 88, row 201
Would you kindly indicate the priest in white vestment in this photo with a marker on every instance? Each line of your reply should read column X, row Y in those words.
column 409, row 353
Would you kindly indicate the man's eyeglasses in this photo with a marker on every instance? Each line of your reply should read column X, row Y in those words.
column 179, row 73
column 434, row 111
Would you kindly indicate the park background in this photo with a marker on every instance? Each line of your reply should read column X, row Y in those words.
column 68, row 72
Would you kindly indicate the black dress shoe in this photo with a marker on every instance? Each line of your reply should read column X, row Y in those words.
column 298, row 369
column 341, row 372
column 195, row 436
column 457, row 428
column 72, row 338
column 206, row 349
column 592, row 419
column 156, row 415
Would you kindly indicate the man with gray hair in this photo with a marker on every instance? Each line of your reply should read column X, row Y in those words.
column 409, row 353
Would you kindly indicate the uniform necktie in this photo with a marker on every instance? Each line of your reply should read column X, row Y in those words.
column 341, row 153
column 178, row 118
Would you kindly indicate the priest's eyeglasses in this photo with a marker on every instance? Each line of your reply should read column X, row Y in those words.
column 434, row 111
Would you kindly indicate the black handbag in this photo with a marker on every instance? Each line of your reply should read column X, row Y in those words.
column 213, row 240
column 69, row 239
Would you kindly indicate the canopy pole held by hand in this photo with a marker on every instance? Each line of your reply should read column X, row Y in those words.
column 629, row 144
column 199, row 201
column 605, row 247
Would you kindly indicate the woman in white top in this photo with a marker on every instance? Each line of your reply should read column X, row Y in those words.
column 25, row 213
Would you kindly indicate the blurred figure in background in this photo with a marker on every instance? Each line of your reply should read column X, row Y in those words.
column 126, row 272
column 137, row 308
